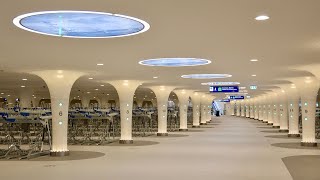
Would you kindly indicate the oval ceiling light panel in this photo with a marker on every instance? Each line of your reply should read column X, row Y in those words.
column 206, row 76
column 175, row 62
column 220, row 83
column 81, row 24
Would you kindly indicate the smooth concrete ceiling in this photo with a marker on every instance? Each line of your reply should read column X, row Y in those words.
column 223, row 31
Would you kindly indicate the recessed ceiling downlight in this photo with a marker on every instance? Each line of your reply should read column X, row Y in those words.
column 206, row 76
column 220, row 83
column 81, row 24
column 175, row 62
column 262, row 18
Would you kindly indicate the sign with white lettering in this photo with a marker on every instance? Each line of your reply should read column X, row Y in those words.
column 236, row 97
column 223, row 89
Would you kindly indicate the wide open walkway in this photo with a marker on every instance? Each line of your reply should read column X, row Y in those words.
column 234, row 149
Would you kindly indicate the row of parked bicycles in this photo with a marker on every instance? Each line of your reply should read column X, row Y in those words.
column 26, row 134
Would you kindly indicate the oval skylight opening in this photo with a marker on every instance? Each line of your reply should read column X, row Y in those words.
column 219, row 83
column 206, row 76
column 175, row 62
column 81, row 24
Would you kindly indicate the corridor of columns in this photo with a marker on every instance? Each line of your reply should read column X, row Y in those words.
column 176, row 89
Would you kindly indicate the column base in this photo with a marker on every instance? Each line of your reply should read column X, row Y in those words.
column 307, row 144
column 283, row 130
column 195, row 126
column 183, row 129
column 125, row 141
column 162, row 134
column 269, row 123
column 276, row 126
column 203, row 123
column 293, row 135
column 59, row 153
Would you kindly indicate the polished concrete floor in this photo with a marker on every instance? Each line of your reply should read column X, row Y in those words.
column 234, row 149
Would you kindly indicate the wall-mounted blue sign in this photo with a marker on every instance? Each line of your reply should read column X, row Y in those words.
column 236, row 97
column 225, row 100
column 224, row 89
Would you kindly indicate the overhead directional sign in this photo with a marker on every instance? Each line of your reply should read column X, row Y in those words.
column 225, row 100
column 224, row 89
column 236, row 97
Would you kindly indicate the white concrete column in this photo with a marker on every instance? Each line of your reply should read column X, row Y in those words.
column 232, row 107
column 276, row 110
column 103, row 101
column 126, row 90
column 183, row 96
column 308, row 111
column 247, row 106
column 99, row 102
column 228, row 108
column 242, row 104
column 203, row 119
column 209, row 107
column 238, row 113
column 256, row 112
column 25, row 97
column 254, row 108
column 140, row 102
column 59, row 84
column 11, row 101
column 162, row 93
column 196, row 100
column 251, row 108
column 260, row 109
column 270, row 108
column 293, row 98
column 308, row 88
column 85, row 100
column 283, row 105
column 261, row 115
column 257, row 108
column 35, row 101
column 264, row 109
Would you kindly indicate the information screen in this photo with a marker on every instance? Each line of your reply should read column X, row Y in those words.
column 223, row 89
